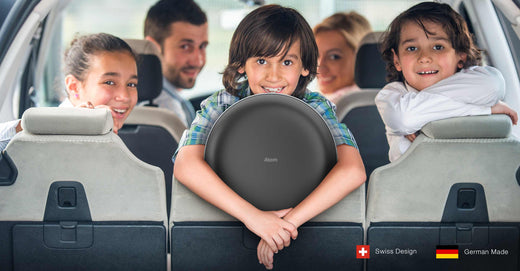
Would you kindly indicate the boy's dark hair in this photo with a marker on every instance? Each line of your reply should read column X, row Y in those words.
column 269, row 31
column 77, row 56
column 165, row 12
column 453, row 24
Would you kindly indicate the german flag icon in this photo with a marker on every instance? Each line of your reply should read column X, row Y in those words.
column 447, row 252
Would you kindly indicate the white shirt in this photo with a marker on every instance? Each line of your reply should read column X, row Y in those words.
column 7, row 131
column 405, row 110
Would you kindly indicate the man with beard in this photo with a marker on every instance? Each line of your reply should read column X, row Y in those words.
column 179, row 29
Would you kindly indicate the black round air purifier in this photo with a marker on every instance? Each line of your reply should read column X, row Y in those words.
column 271, row 149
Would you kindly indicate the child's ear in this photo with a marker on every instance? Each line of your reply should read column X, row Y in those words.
column 73, row 85
column 241, row 70
column 305, row 72
column 462, row 60
column 396, row 62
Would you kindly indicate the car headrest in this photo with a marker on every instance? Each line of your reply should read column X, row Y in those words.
column 370, row 69
column 489, row 126
column 67, row 121
column 272, row 149
column 149, row 71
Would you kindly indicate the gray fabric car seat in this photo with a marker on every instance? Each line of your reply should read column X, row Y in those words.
column 459, row 186
column 358, row 110
column 224, row 241
column 75, row 198
column 152, row 133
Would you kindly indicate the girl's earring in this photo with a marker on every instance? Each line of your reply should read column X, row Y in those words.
column 76, row 96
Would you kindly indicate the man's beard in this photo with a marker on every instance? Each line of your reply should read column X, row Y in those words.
column 174, row 76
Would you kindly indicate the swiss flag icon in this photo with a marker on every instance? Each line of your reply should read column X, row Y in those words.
column 363, row 252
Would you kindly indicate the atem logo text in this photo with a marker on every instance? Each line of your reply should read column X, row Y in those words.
column 270, row 160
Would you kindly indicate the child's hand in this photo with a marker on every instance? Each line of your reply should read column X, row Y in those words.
column 503, row 108
column 275, row 231
column 411, row 137
column 265, row 254
column 85, row 105
column 116, row 125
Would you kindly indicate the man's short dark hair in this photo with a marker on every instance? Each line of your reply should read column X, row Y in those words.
column 165, row 12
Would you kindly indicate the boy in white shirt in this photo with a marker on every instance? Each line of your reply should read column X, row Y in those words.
column 431, row 61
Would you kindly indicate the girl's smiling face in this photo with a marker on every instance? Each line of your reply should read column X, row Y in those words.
column 111, row 82
column 426, row 59
column 278, row 74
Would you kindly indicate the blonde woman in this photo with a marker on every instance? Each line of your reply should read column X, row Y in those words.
column 338, row 38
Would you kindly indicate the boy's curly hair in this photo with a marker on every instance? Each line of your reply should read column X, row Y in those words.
column 453, row 24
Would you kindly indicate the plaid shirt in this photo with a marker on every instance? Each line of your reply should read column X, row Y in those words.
column 216, row 104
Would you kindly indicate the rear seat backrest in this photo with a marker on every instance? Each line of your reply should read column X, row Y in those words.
column 113, row 202
column 227, row 242
column 358, row 110
column 149, row 71
column 464, row 149
column 457, row 185
column 370, row 69
column 152, row 133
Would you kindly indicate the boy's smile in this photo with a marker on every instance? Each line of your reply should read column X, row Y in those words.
column 276, row 74
column 426, row 59
column 273, row 90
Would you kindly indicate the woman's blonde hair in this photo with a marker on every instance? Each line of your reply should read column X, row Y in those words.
column 353, row 26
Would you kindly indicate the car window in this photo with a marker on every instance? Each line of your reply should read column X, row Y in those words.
column 512, row 39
